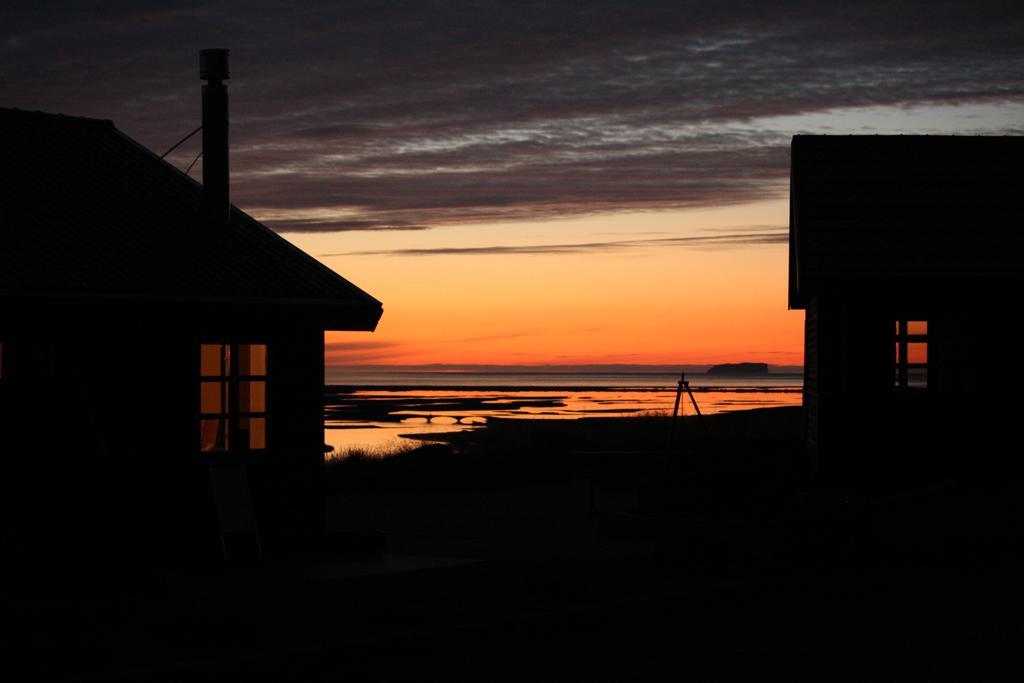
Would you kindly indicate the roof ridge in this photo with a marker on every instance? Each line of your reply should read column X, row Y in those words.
column 57, row 116
column 122, row 219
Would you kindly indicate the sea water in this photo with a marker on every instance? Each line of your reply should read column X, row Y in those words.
column 372, row 410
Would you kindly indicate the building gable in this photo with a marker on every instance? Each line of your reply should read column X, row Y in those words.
column 89, row 212
column 871, row 209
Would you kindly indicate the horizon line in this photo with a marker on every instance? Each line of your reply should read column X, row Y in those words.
column 617, row 368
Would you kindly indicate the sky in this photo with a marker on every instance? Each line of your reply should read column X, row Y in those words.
column 532, row 182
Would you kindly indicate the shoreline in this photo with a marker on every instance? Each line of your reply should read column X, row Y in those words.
column 743, row 423
column 372, row 417
column 775, row 423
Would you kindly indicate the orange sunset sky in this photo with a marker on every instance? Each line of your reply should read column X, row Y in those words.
column 649, row 301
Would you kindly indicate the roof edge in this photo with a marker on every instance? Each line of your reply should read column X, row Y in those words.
column 15, row 111
column 236, row 212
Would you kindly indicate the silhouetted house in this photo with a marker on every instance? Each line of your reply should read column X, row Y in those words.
column 905, row 253
column 162, row 357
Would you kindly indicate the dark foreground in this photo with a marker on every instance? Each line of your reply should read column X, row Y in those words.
column 541, row 550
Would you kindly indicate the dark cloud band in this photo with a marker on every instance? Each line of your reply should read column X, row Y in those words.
column 774, row 236
column 399, row 116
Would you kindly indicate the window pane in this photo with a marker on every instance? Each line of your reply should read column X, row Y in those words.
column 213, row 435
column 252, row 397
column 897, row 328
column 917, row 352
column 917, row 327
column 253, row 430
column 252, row 359
column 213, row 397
column 897, row 352
column 917, row 377
column 215, row 359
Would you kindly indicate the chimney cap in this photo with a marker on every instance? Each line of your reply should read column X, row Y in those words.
column 213, row 64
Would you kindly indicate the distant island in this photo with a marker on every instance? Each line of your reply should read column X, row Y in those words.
column 733, row 369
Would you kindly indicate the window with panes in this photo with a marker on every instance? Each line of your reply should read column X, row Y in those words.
column 911, row 354
column 233, row 397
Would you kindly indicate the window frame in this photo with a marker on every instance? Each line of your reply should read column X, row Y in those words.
column 902, row 340
column 237, row 439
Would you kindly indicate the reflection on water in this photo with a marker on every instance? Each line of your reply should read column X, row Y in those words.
column 376, row 418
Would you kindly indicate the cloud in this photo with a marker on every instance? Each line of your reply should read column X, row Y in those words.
column 405, row 115
column 778, row 235
column 337, row 225
column 494, row 337
column 363, row 345
column 363, row 351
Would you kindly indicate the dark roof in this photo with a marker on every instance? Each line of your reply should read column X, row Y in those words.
column 871, row 208
column 87, row 211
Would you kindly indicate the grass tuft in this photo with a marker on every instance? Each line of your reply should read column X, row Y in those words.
column 390, row 449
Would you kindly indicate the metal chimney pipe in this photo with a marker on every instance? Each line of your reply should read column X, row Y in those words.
column 213, row 68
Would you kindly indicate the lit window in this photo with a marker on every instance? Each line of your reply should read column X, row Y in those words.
column 232, row 397
column 911, row 354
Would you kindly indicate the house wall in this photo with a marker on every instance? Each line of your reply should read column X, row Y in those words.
column 99, row 427
column 88, row 439
column 860, row 427
column 863, row 430
column 847, row 371
column 980, row 379
column 812, row 372
column 287, row 477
